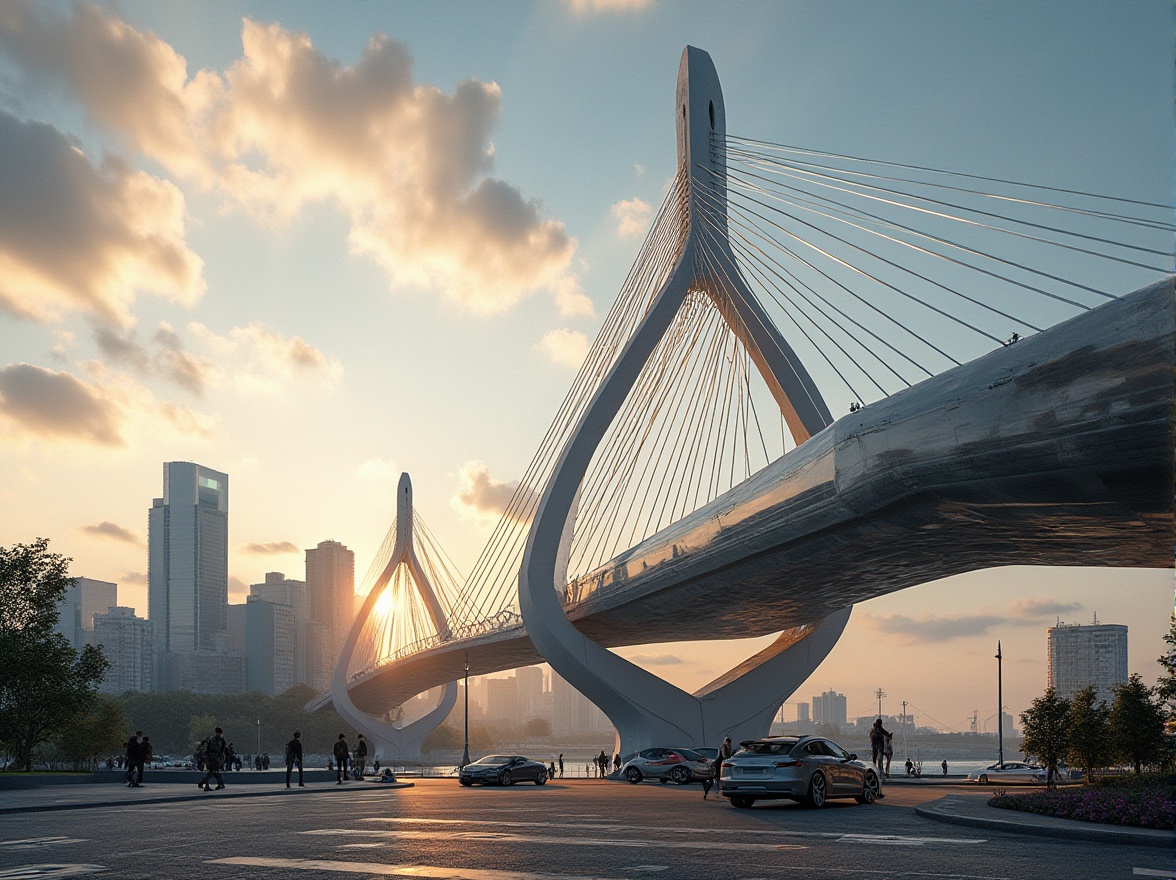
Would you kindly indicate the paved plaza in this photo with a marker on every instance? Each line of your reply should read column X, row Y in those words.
column 566, row 829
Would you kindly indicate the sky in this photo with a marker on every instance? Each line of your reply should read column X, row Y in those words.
column 316, row 245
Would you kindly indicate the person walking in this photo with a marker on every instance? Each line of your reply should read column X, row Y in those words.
column 616, row 762
column 146, row 754
column 888, row 752
column 944, row 766
column 878, row 735
column 725, row 752
column 602, row 760
column 134, row 759
column 361, row 753
column 561, row 765
column 294, row 758
column 342, row 756
column 214, row 755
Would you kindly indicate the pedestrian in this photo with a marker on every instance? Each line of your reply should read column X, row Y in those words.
column 342, row 755
column 888, row 752
column 910, row 767
column 551, row 771
column 616, row 762
column 561, row 765
column 265, row 761
column 878, row 735
column 361, row 752
column 230, row 757
column 213, row 759
column 294, row 758
column 725, row 752
column 134, row 760
column 376, row 767
column 146, row 755
column 944, row 766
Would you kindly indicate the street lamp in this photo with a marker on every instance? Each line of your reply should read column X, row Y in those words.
column 259, row 736
column 465, row 756
column 879, row 694
column 999, row 707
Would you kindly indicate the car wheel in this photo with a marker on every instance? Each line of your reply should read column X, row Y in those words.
column 870, row 789
column 817, row 792
column 466, row 782
column 633, row 775
column 505, row 778
column 541, row 777
column 741, row 801
column 680, row 776
column 984, row 779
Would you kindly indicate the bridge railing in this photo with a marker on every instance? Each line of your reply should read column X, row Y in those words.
column 499, row 622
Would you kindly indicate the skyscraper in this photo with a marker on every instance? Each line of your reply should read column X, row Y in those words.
column 530, row 693
column 188, row 562
column 126, row 642
column 829, row 708
column 286, row 591
column 1087, row 655
column 330, row 587
column 82, row 600
column 269, row 646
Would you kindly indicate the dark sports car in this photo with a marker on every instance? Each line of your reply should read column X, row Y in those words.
column 502, row 770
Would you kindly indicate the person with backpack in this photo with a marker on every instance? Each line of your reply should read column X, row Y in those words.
column 134, row 760
column 360, row 756
column 294, row 757
column 214, row 755
column 342, row 755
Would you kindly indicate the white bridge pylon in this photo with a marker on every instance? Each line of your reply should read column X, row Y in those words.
column 388, row 741
column 646, row 710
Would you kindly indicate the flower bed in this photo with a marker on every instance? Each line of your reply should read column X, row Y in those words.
column 1145, row 806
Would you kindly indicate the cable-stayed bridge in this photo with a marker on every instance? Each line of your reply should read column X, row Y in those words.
column 694, row 484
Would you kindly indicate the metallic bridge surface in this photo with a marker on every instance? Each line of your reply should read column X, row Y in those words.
column 1056, row 450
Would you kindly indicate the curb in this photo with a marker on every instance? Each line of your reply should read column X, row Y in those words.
column 938, row 811
column 203, row 796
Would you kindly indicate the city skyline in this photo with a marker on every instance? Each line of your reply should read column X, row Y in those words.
column 282, row 311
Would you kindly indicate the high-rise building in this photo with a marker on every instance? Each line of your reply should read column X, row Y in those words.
column 269, row 646
column 573, row 712
column 802, row 713
column 1079, row 656
column 530, row 693
column 307, row 639
column 126, row 641
column 188, row 566
column 84, row 598
column 829, row 708
column 502, row 699
column 330, row 588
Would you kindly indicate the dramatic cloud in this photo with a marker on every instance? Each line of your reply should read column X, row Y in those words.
column 656, row 659
column 77, row 237
column 930, row 628
column 568, row 348
column 273, row 548
column 255, row 358
column 170, row 360
column 632, row 216
column 49, row 404
column 116, row 532
column 480, row 496
column 285, row 126
column 594, row 7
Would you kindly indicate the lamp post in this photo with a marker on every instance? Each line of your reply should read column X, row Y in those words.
column 879, row 694
column 259, row 736
column 906, row 751
column 465, row 756
column 999, row 707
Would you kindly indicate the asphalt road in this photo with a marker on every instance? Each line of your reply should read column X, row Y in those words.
column 581, row 829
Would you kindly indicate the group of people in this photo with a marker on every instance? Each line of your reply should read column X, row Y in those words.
column 349, row 764
column 138, row 756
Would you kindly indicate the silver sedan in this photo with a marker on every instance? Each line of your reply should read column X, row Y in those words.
column 1009, row 771
column 811, row 769
column 680, row 766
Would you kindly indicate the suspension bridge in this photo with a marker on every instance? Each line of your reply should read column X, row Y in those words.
column 695, row 485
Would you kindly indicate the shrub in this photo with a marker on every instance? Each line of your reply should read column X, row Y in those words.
column 1145, row 802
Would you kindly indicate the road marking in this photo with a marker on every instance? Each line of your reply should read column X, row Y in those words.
column 426, row 871
column 888, row 872
column 505, row 837
column 40, row 872
column 38, row 842
column 1149, row 872
column 884, row 839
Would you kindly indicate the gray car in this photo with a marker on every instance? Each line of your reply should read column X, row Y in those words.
column 810, row 769
column 502, row 770
column 1009, row 771
column 680, row 766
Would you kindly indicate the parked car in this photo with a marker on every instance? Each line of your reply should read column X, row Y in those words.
column 502, row 770
column 811, row 769
column 708, row 753
column 681, row 766
column 1009, row 771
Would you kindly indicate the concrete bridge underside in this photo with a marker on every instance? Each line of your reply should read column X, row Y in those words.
column 1054, row 451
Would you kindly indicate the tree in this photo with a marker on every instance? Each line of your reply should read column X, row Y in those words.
column 97, row 734
column 1045, row 725
column 44, row 683
column 1137, row 724
column 443, row 739
column 1089, row 732
column 537, row 728
column 1166, row 687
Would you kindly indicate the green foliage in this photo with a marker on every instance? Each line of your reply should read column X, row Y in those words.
column 1045, row 725
column 1166, row 687
column 91, row 737
column 1137, row 725
column 537, row 728
column 1089, row 739
column 443, row 739
column 44, row 683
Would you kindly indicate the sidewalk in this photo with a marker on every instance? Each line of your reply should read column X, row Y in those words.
column 973, row 810
column 90, row 795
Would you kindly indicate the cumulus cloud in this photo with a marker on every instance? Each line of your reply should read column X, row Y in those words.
column 632, row 216
column 656, row 659
column 272, row 548
column 170, row 359
column 49, row 404
column 480, row 496
column 107, row 529
column 931, row 628
column 568, row 348
column 255, row 358
column 74, row 236
column 286, row 126
column 594, row 7
column 134, row 577
column 571, row 300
